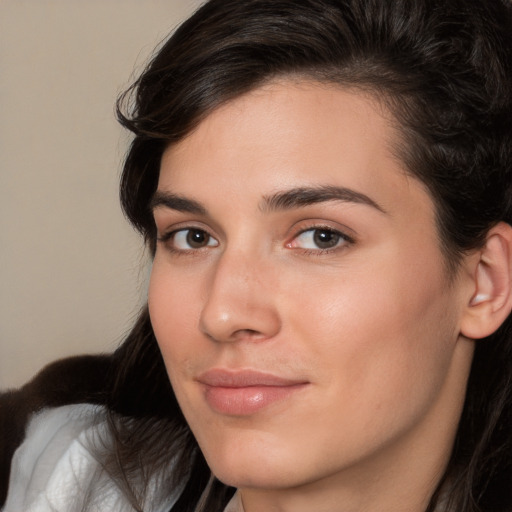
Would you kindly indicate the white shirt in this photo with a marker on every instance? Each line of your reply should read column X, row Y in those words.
column 55, row 469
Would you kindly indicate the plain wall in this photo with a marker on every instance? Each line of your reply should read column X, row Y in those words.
column 72, row 270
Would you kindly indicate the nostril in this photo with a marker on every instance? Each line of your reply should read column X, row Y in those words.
column 247, row 334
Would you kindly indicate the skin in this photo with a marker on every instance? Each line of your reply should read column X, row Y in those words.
column 372, row 325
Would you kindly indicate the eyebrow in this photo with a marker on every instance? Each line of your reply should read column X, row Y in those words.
column 176, row 202
column 305, row 196
column 285, row 200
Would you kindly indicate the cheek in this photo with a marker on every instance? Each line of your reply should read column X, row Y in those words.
column 172, row 307
column 387, row 330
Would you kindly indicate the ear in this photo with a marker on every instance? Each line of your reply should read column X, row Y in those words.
column 491, row 301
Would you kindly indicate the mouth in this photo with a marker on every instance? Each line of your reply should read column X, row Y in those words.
column 245, row 392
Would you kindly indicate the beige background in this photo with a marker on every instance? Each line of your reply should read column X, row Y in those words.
column 72, row 270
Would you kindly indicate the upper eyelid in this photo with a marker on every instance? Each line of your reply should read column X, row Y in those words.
column 168, row 226
column 168, row 220
column 167, row 234
column 312, row 224
column 167, row 239
column 324, row 228
column 347, row 238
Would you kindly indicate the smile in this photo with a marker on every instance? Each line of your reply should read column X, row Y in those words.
column 243, row 393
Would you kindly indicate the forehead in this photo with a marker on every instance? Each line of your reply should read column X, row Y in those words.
column 287, row 134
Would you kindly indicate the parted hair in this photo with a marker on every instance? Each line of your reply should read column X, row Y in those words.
column 443, row 68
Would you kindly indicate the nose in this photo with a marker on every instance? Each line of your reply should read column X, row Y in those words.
column 239, row 302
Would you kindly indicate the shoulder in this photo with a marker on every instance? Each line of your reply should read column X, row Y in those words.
column 80, row 379
column 59, row 466
column 54, row 467
column 57, row 438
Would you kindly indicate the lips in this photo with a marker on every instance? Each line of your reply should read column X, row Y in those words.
column 242, row 393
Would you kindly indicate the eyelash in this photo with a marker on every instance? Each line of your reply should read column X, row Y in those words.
column 342, row 242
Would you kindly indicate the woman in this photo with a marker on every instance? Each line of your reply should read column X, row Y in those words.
column 326, row 189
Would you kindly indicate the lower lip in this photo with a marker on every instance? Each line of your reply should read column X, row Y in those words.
column 247, row 400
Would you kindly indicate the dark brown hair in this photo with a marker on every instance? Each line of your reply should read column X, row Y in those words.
column 444, row 69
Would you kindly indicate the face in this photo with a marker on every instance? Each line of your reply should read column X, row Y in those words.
column 298, row 292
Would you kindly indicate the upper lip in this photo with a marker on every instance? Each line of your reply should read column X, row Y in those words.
column 225, row 378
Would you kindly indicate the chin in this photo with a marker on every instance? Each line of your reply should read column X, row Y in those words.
column 255, row 477
column 250, row 466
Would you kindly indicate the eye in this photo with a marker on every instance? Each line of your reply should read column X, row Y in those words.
column 319, row 239
column 190, row 239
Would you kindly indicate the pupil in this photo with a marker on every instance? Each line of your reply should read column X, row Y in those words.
column 197, row 238
column 325, row 239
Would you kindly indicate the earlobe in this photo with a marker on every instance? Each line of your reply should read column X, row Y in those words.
column 491, row 302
